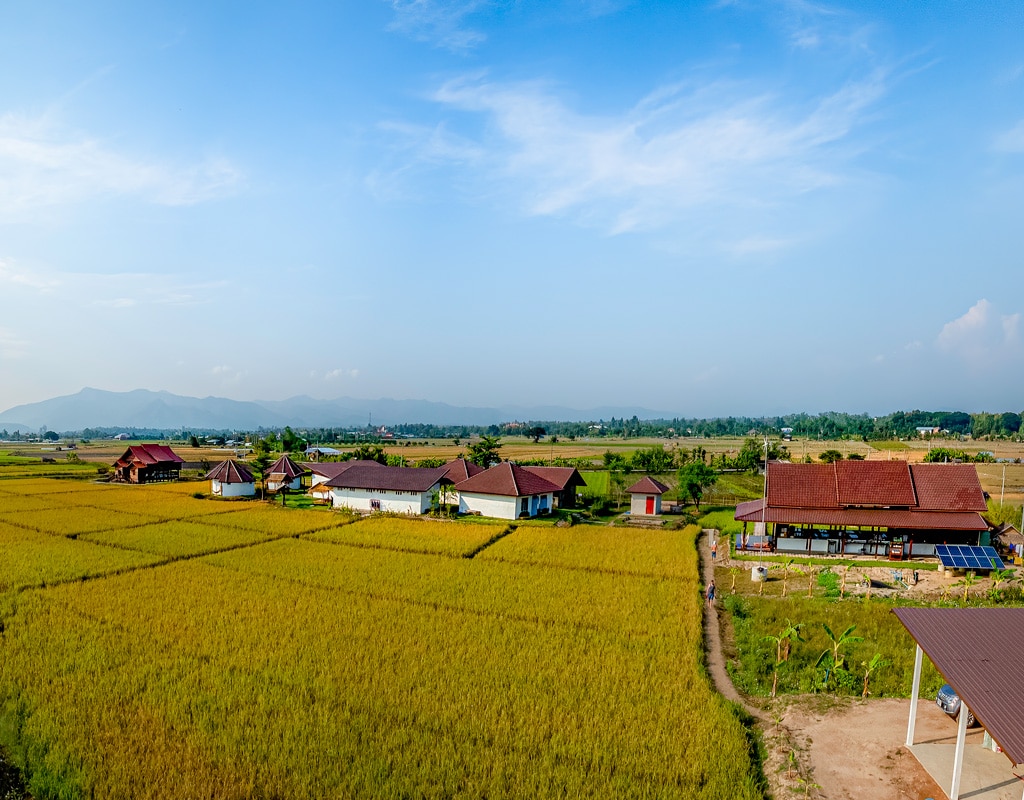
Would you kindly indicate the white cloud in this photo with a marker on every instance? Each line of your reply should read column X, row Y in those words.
column 441, row 23
column 679, row 148
column 981, row 333
column 1010, row 141
column 340, row 374
column 42, row 165
column 11, row 274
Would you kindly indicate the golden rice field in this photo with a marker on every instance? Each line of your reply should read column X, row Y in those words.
column 261, row 652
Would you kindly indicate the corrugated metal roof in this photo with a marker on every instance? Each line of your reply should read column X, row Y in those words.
column 980, row 653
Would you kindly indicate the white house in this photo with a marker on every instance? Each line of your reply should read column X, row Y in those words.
column 645, row 497
column 506, row 491
column 284, row 473
column 231, row 479
column 402, row 490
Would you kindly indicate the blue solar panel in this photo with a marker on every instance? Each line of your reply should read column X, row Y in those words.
column 963, row 556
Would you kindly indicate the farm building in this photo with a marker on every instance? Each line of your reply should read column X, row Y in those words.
column 506, row 491
column 231, row 479
column 884, row 508
column 284, row 474
column 402, row 490
column 147, row 463
column 645, row 497
column 567, row 479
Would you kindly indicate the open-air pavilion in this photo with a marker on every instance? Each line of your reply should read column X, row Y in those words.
column 980, row 654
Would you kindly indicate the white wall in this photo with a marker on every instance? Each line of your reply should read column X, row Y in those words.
column 273, row 486
column 393, row 501
column 638, row 504
column 232, row 489
column 500, row 507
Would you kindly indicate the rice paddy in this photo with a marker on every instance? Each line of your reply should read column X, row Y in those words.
column 268, row 652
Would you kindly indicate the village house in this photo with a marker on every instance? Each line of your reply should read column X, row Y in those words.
column 645, row 497
column 147, row 463
column 506, row 491
column 284, row 474
column 402, row 490
column 880, row 508
column 567, row 479
column 324, row 471
column 231, row 479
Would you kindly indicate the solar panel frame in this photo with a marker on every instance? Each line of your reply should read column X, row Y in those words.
column 965, row 556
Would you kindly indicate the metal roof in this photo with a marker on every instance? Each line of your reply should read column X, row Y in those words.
column 751, row 511
column 980, row 653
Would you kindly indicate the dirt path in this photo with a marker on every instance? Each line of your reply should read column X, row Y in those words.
column 822, row 747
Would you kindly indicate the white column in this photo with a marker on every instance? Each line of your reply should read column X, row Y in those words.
column 958, row 759
column 914, row 692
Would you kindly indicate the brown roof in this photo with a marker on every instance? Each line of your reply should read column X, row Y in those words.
column 876, row 484
column 981, row 655
column 864, row 517
column 230, row 471
column 647, row 485
column 396, row 479
column 563, row 477
column 285, row 467
column 954, row 487
column 508, row 480
column 460, row 470
column 331, row 469
column 148, row 454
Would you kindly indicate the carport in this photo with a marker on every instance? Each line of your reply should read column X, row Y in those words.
column 980, row 653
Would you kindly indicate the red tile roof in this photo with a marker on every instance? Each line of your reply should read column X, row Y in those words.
column 396, row 479
column 507, row 480
column 460, row 470
column 648, row 485
column 948, row 486
column 874, row 483
column 981, row 655
column 230, row 471
column 888, row 494
column 562, row 477
column 148, row 454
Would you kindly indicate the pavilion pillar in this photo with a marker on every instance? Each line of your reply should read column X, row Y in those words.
column 958, row 759
column 914, row 692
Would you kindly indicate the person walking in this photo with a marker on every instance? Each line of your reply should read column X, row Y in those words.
column 711, row 593
column 714, row 549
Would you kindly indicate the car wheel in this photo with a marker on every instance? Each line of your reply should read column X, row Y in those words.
column 971, row 721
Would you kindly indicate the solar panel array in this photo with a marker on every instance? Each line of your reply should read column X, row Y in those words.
column 963, row 556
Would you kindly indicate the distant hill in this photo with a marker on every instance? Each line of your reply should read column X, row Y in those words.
column 141, row 408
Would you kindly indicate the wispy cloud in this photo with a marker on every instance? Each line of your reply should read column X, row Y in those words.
column 680, row 147
column 13, row 276
column 44, row 165
column 340, row 374
column 442, row 23
column 982, row 333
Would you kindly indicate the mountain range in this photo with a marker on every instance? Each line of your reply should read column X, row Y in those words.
column 142, row 408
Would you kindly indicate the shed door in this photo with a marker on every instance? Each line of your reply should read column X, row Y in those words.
column 650, row 506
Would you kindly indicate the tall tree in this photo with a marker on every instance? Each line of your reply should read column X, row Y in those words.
column 484, row 453
column 694, row 478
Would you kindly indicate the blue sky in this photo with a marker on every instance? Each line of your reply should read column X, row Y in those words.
column 699, row 208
